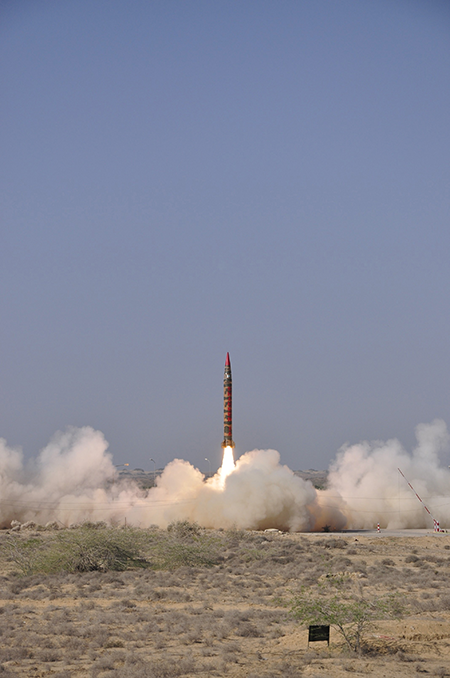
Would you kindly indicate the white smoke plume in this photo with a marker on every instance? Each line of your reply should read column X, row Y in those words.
column 65, row 483
column 365, row 484
column 74, row 480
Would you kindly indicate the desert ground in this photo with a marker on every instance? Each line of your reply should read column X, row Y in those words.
column 202, row 603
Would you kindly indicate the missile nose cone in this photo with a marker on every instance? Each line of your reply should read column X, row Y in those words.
column 227, row 361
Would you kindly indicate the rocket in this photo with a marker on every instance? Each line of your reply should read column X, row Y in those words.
column 227, row 405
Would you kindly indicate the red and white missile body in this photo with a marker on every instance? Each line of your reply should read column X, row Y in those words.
column 227, row 405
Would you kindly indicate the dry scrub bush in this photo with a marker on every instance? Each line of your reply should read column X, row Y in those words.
column 81, row 550
column 135, row 668
column 91, row 548
column 173, row 553
column 6, row 673
column 183, row 529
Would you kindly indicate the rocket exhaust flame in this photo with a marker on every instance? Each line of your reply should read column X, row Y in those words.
column 228, row 465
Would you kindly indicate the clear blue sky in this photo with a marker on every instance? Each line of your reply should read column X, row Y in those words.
column 180, row 179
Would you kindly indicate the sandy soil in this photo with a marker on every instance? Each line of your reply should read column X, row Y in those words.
column 229, row 619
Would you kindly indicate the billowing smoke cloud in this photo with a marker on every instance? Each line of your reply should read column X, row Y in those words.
column 66, row 482
column 364, row 482
column 74, row 480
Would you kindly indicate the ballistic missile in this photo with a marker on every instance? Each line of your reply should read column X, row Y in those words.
column 227, row 405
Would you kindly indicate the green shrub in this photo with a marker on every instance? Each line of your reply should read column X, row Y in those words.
column 339, row 603
column 81, row 550
column 94, row 547
column 172, row 553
